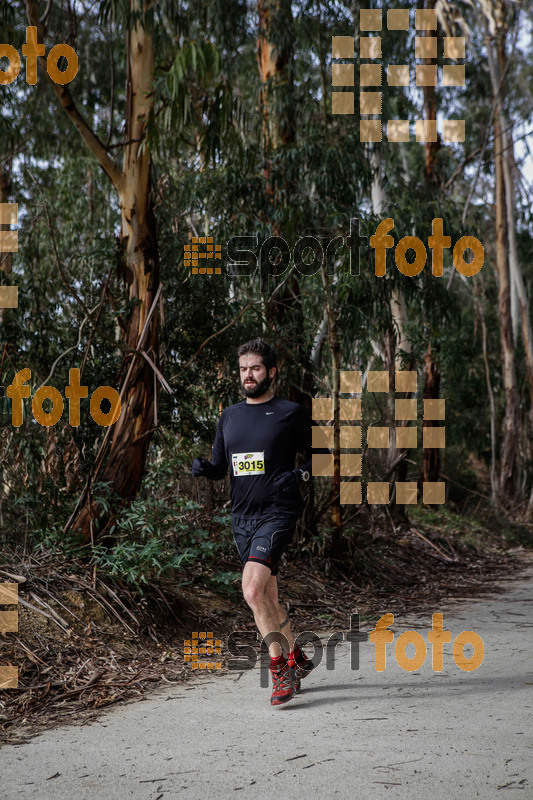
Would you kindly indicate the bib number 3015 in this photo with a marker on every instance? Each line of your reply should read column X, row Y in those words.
column 248, row 463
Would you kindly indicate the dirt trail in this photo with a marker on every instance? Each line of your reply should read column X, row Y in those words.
column 363, row 733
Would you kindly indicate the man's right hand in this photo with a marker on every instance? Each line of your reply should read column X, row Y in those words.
column 201, row 466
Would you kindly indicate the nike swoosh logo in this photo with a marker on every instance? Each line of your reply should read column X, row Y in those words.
column 267, row 413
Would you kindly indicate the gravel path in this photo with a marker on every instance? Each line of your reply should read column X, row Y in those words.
column 350, row 733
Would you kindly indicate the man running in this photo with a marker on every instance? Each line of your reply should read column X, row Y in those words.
column 259, row 438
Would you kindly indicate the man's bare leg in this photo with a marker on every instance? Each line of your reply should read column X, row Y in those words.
column 261, row 595
column 283, row 617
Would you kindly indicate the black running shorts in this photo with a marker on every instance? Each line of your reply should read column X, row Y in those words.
column 263, row 540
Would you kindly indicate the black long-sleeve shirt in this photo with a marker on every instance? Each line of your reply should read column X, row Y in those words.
column 258, row 442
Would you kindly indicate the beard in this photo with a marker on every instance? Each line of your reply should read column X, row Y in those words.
column 257, row 389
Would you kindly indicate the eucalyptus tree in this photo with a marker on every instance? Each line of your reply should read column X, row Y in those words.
column 152, row 41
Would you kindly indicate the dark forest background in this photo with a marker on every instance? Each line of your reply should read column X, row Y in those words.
column 214, row 118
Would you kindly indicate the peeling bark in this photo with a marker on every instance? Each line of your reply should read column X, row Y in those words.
column 430, row 455
column 510, row 426
column 129, row 439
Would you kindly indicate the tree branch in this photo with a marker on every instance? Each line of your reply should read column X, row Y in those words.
column 67, row 102
column 70, row 349
column 217, row 333
column 461, row 166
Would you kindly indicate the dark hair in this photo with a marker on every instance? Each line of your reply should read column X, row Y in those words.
column 263, row 349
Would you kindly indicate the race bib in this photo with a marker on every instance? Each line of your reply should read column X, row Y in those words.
column 248, row 463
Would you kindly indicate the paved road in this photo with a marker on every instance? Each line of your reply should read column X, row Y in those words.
column 365, row 734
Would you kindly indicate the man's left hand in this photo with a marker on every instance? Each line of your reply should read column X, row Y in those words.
column 287, row 481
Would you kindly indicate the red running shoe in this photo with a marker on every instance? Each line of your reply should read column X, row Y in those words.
column 302, row 667
column 283, row 685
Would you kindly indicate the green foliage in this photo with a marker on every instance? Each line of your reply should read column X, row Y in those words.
column 139, row 562
column 224, row 582
column 154, row 537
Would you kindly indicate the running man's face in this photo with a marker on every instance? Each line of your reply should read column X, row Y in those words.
column 254, row 377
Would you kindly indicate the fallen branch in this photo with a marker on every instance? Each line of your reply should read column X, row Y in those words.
column 43, row 613
column 93, row 678
column 17, row 578
column 50, row 609
column 441, row 552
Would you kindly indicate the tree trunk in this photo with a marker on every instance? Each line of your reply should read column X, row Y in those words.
column 274, row 58
column 133, row 431
column 402, row 345
column 521, row 317
column 129, row 438
column 275, row 55
column 431, row 149
column 510, row 422
column 393, row 340
column 479, row 301
column 509, row 446
column 335, row 502
column 430, row 455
